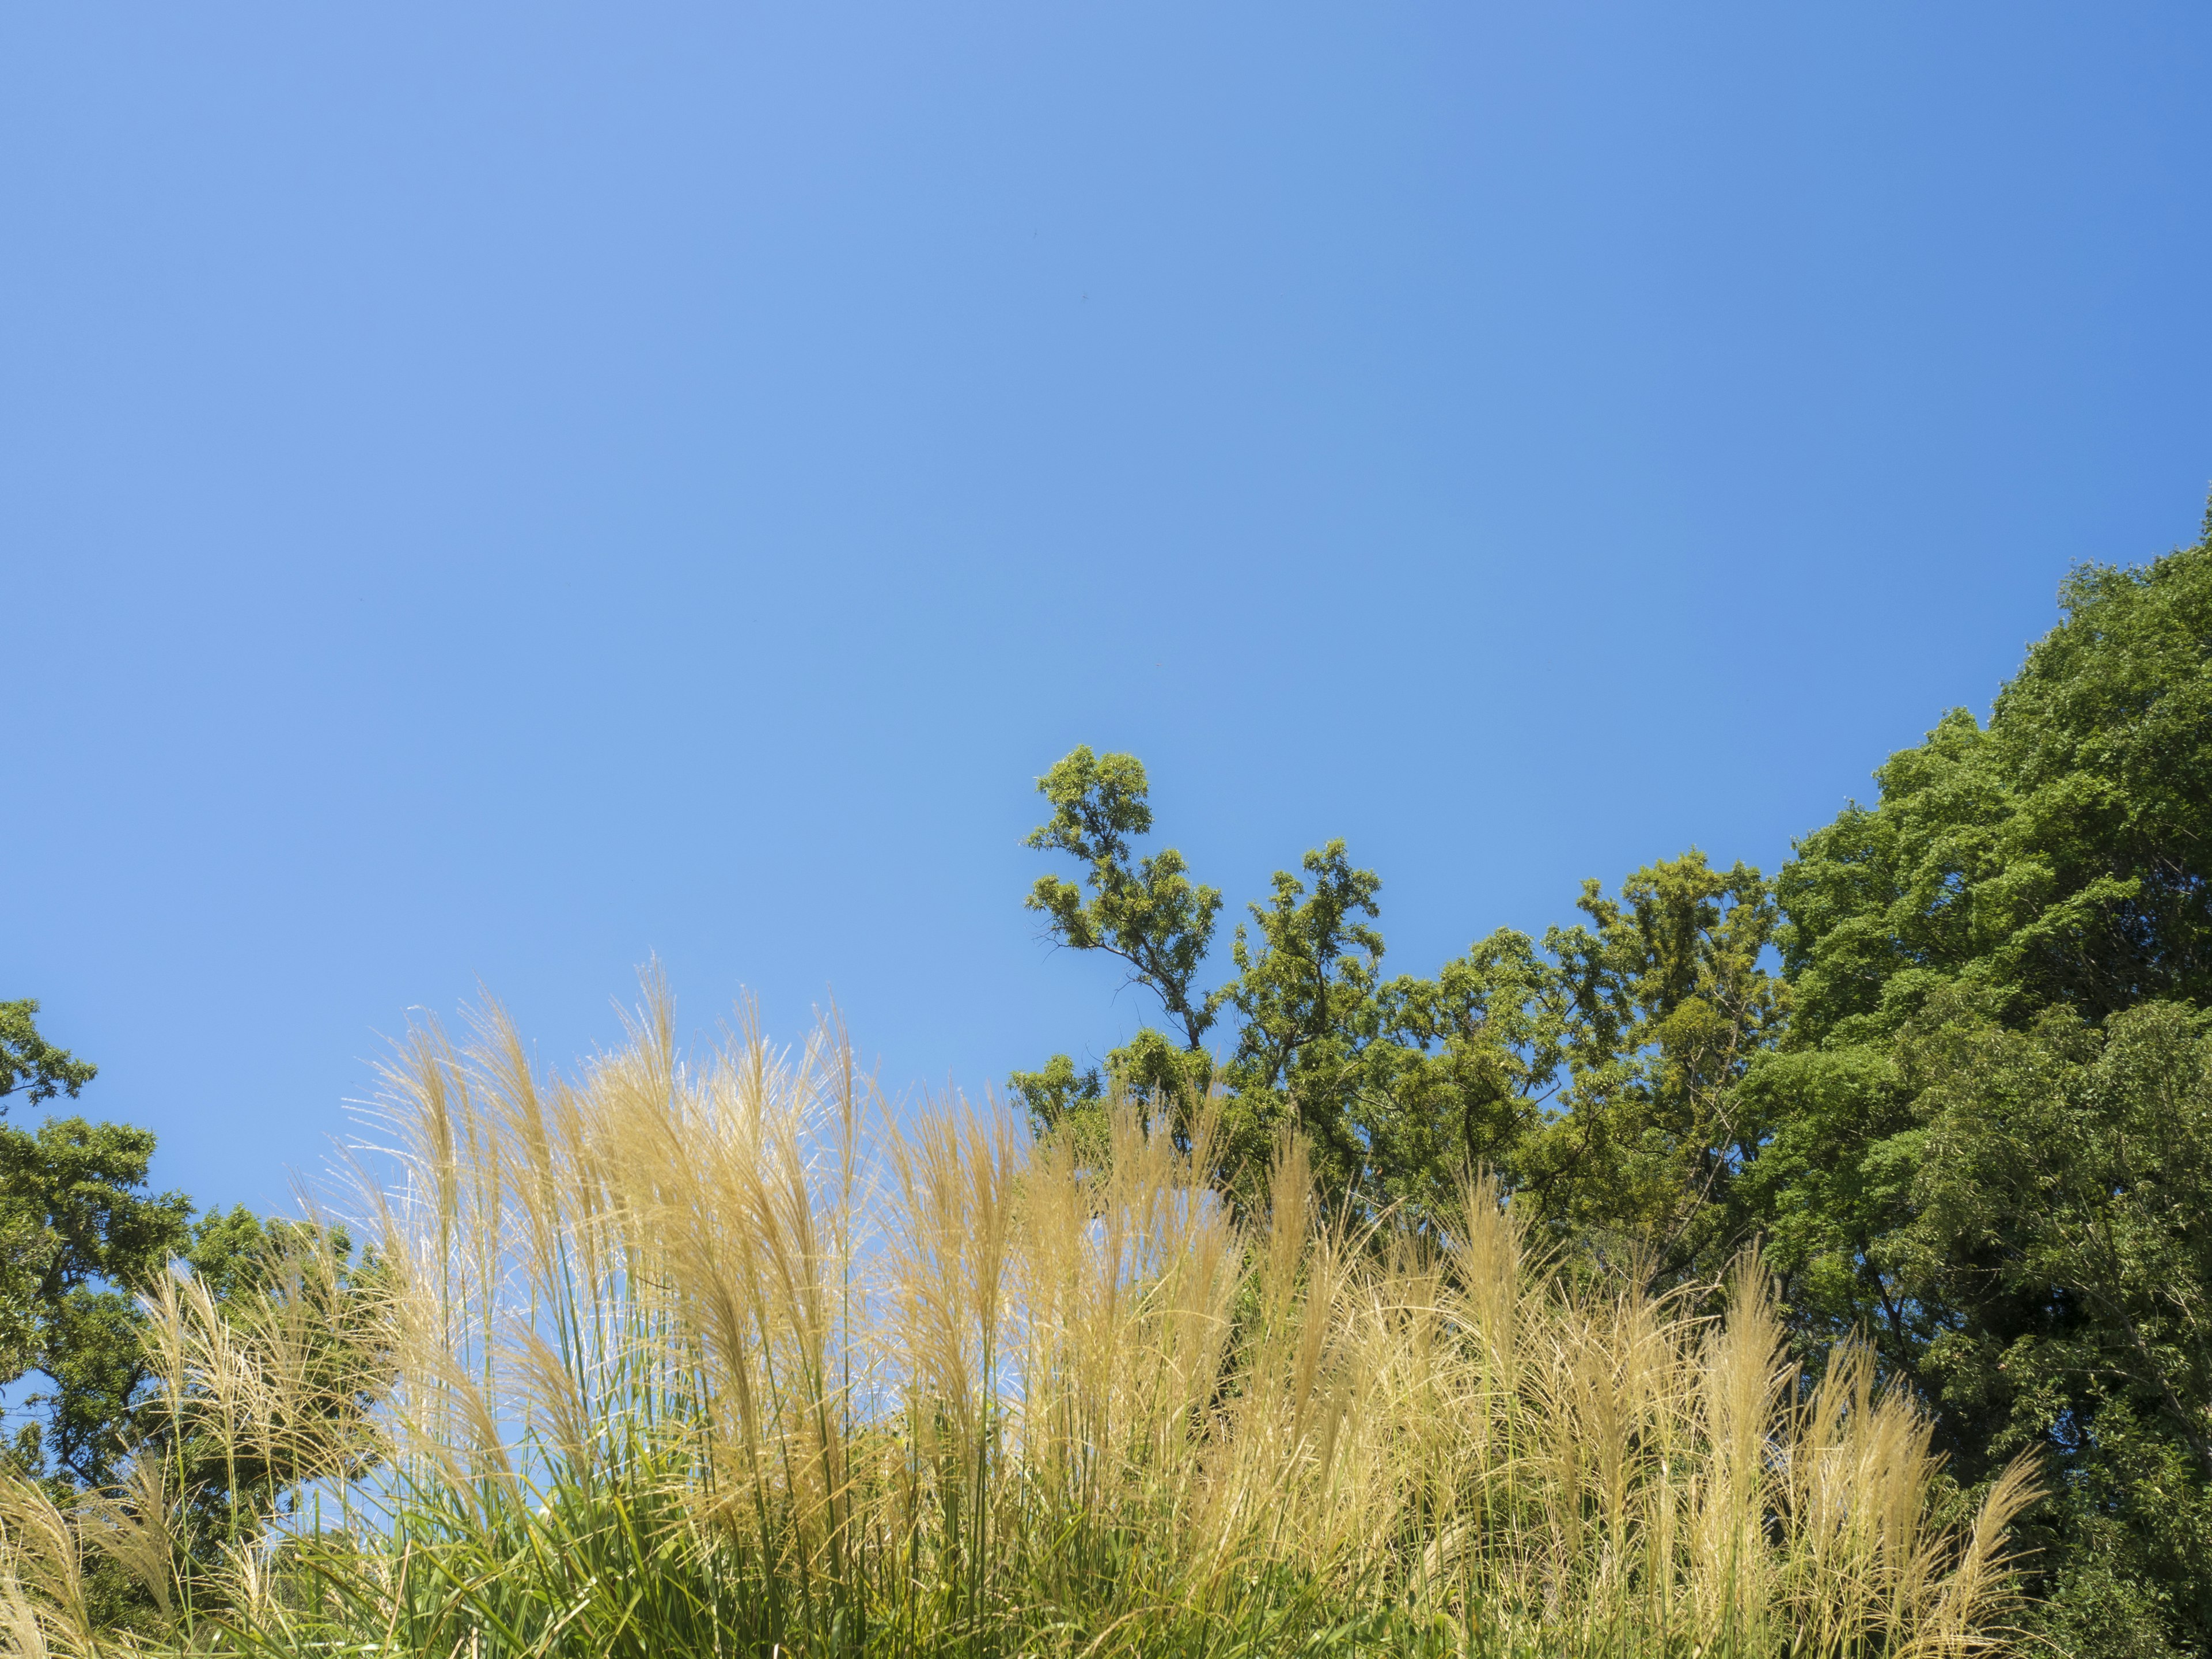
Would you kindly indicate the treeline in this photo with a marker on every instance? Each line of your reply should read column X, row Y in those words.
column 1949, row 1071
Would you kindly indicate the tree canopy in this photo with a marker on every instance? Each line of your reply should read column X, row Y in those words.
column 1999, row 971
column 1948, row 1071
column 1595, row 1070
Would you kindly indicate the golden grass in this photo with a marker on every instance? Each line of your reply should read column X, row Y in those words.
column 723, row 1346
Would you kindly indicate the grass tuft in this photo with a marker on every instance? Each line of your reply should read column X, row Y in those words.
column 718, row 1359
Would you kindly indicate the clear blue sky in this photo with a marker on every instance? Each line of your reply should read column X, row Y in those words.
column 490, row 492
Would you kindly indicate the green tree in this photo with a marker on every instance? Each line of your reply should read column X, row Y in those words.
column 1148, row 914
column 2058, row 855
column 2027, row 1248
column 1307, row 975
column 1597, row 1073
column 1966, row 957
column 1667, row 1002
column 32, row 1067
column 2068, row 1178
column 74, row 1223
column 83, row 1235
column 1151, row 916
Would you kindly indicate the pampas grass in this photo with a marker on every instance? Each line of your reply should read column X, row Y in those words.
column 666, row 1358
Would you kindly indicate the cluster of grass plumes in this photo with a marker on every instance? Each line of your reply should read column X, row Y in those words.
column 258, row 1401
column 719, row 1359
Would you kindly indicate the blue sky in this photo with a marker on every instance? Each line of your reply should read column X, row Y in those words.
column 489, row 493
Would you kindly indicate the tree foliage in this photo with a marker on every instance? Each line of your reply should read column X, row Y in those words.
column 1983, row 1150
column 1595, row 1072
column 2060, row 855
column 1967, row 1119
column 79, row 1235
column 83, row 1240
column 84, row 1234
column 31, row 1066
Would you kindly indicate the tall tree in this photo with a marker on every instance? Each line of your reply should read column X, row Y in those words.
column 1965, row 956
column 1596, row 1073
